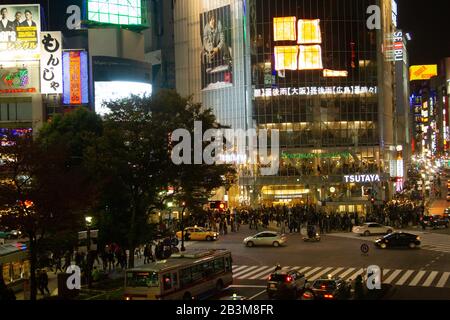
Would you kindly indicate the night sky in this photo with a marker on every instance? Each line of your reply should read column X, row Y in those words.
column 429, row 24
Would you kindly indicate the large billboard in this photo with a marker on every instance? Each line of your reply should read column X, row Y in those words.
column 17, row 80
column 51, row 63
column 120, row 12
column 20, row 26
column 217, row 58
column 425, row 72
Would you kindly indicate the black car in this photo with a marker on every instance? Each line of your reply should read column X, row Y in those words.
column 398, row 240
column 285, row 285
column 328, row 289
column 434, row 222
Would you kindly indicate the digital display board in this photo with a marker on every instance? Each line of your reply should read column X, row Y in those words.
column 119, row 12
column 75, row 78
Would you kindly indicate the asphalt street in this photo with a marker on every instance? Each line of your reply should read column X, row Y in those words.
column 424, row 272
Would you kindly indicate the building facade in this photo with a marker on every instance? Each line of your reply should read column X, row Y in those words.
column 312, row 70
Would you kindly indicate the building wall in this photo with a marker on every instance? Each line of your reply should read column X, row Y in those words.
column 231, row 104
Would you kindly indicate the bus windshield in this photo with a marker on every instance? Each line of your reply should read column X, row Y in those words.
column 142, row 279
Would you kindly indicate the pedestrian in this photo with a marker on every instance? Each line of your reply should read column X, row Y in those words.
column 44, row 283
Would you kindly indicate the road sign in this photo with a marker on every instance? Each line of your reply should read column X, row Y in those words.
column 364, row 248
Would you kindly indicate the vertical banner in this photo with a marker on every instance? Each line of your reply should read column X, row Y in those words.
column 75, row 78
column 51, row 63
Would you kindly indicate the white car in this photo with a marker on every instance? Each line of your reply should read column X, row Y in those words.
column 266, row 238
column 372, row 228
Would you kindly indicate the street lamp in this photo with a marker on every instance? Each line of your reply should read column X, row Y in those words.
column 88, row 220
column 182, row 227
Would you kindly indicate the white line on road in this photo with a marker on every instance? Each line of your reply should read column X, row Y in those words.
column 393, row 276
column 353, row 276
column 318, row 275
column 238, row 274
column 252, row 272
column 347, row 272
column 310, row 273
column 265, row 272
column 304, row 269
column 240, row 268
column 404, row 278
column 257, row 295
column 335, row 272
column 430, row 279
column 417, row 278
column 443, row 280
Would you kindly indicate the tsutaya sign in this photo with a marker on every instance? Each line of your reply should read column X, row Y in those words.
column 315, row 91
column 364, row 178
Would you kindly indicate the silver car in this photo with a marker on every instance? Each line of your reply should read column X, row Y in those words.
column 369, row 229
column 266, row 238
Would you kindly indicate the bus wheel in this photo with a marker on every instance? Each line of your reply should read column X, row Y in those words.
column 219, row 286
column 187, row 296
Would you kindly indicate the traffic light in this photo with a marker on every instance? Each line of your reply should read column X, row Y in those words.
column 218, row 205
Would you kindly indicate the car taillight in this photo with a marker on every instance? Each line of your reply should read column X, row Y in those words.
column 307, row 295
column 288, row 279
column 270, row 278
column 328, row 296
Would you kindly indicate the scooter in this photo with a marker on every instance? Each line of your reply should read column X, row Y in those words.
column 316, row 238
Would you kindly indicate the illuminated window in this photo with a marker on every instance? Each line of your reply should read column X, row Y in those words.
column 309, row 32
column 123, row 12
column 286, row 58
column 284, row 29
column 310, row 58
column 334, row 73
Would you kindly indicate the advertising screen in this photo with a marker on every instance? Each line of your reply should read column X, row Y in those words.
column 75, row 78
column 20, row 27
column 217, row 59
column 120, row 12
column 106, row 91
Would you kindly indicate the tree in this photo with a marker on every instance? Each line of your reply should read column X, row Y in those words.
column 132, row 160
column 41, row 193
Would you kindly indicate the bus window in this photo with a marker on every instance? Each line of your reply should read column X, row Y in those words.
column 167, row 281
column 197, row 272
column 219, row 265
column 142, row 279
column 208, row 268
column 175, row 280
column 185, row 277
column 228, row 263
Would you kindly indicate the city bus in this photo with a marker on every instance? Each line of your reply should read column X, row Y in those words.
column 193, row 274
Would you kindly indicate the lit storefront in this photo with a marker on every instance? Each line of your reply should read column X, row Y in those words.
column 14, row 262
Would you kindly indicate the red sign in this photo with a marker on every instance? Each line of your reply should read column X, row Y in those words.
column 75, row 77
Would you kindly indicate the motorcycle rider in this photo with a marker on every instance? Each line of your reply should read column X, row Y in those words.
column 311, row 232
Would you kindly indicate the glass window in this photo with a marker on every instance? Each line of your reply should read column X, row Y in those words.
column 185, row 277
column 167, row 281
column 142, row 279
column 219, row 265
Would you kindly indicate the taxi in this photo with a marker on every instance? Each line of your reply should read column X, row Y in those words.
column 198, row 234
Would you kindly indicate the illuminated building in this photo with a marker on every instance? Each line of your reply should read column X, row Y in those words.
column 101, row 42
column 312, row 70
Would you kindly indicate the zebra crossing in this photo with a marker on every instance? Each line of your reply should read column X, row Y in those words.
column 430, row 241
column 397, row 277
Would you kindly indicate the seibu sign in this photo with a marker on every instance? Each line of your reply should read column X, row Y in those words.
column 364, row 178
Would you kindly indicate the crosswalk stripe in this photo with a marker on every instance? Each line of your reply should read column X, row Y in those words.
column 318, row 275
column 417, row 278
column 239, row 268
column 342, row 276
column 404, row 278
column 304, row 269
column 335, row 272
column 252, row 272
column 236, row 275
column 265, row 272
column 430, row 279
column 354, row 275
column 312, row 272
column 443, row 280
column 392, row 276
column 385, row 272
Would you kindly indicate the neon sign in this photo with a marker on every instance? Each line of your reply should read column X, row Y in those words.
column 16, row 80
